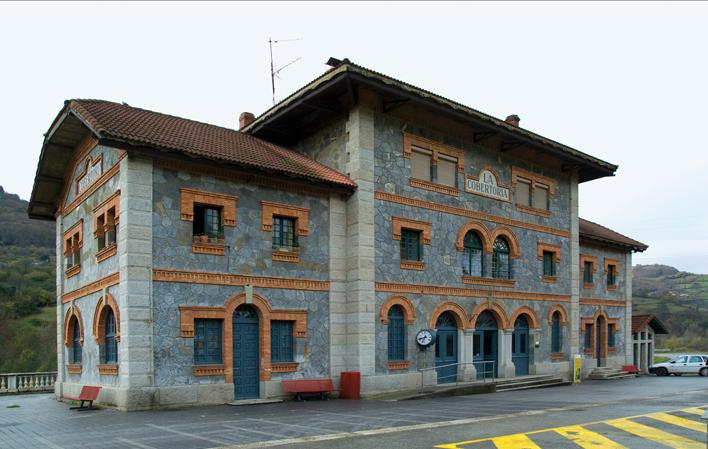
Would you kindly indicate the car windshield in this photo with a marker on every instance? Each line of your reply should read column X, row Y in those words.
column 681, row 359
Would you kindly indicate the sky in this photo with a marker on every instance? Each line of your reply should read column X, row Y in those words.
column 625, row 82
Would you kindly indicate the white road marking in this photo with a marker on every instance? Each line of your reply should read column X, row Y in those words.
column 134, row 443
column 187, row 434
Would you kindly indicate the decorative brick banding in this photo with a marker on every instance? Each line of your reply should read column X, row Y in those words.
column 482, row 232
column 93, row 287
column 215, row 278
column 404, row 303
column 107, row 252
column 286, row 256
column 441, row 290
column 107, row 369
column 433, row 187
column 208, row 370
column 99, row 317
column 492, row 282
column 496, row 309
column 73, row 368
column 457, row 312
column 530, row 316
column 398, row 365
column 289, row 367
column 413, row 265
column 300, row 214
column 561, row 310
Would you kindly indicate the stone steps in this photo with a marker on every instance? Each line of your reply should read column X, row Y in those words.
column 526, row 384
column 462, row 389
column 604, row 373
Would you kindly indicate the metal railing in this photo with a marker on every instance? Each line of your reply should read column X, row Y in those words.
column 27, row 382
column 486, row 373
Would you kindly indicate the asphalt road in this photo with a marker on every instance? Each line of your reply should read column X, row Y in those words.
column 454, row 422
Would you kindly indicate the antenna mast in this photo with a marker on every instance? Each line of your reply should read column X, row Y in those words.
column 273, row 71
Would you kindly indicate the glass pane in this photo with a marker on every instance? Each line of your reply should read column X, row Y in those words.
column 523, row 192
column 449, row 345
column 548, row 266
column 488, row 350
column 522, row 343
column 420, row 166
column 476, row 345
column 447, row 172
column 540, row 197
column 513, row 344
column 410, row 244
column 212, row 222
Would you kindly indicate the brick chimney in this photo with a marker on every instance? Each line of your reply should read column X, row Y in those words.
column 513, row 120
column 245, row 119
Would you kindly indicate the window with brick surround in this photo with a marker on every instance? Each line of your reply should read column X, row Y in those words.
column 207, row 222
column 207, row 341
column 588, row 336
column 73, row 242
column 284, row 235
column 411, row 248
column 281, row 341
column 556, row 333
column 106, row 229
column 110, row 343
column 76, row 343
column 434, row 166
column 540, row 196
column 533, row 191
column 611, row 276
column 523, row 192
column 501, row 262
column 396, row 334
column 549, row 267
column 421, row 167
column 473, row 256
column 587, row 272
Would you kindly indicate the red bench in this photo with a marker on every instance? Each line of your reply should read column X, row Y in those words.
column 631, row 369
column 321, row 386
column 88, row 394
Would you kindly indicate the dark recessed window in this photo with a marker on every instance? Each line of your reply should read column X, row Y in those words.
column 523, row 192
column 281, row 341
column 207, row 341
column 284, row 233
column 473, row 257
column 587, row 272
column 111, row 344
column 611, row 335
column 75, row 342
column 501, row 263
column 549, row 268
column 611, row 275
column 207, row 221
column 556, row 335
column 410, row 245
column 396, row 334
column 588, row 336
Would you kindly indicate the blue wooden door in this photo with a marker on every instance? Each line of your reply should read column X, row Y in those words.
column 446, row 348
column 485, row 345
column 599, row 327
column 520, row 346
column 245, row 353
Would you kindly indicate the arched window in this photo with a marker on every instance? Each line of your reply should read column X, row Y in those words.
column 75, row 350
column 110, row 342
column 556, row 335
column 473, row 261
column 396, row 334
column 501, row 263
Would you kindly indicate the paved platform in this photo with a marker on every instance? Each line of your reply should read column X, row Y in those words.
column 41, row 421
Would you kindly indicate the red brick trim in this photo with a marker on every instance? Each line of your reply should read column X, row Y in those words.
column 457, row 311
column 585, row 258
column 189, row 197
column 398, row 365
column 107, row 175
column 434, row 187
column 551, row 248
column 93, row 287
column 563, row 314
column 557, row 356
column 418, row 265
column 71, row 319
column 530, row 315
column 73, row 271
column 300, row 214
column 208, row 370
column 482, row 232
column 602, row 302
column 286, row 256
column 73, row 368
column 399, row 223
column 287, row 367
column 443, row 290
column 107, row 369
column 476, row 280
column 496, row 309
column 408, row 310
column 212, row 278
column 106, row 253
column 112, row 202
column 411, row 140
column 614, row 262
column 99, row 317
column 533, row 210
column 535, row 178
column 212, row 249
column 548, row 279
column 503, row 231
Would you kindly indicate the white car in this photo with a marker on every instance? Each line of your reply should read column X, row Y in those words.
column 683, row 364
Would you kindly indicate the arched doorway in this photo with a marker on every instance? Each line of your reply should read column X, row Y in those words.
column 520, row 346
column 446, row 348
column 599, row 338
column 245, row 352
column 485, row 345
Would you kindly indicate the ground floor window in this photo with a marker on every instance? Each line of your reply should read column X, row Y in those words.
column 111, row 343
column 611, row 335
column 281, row 341
column 207, row 341
column 588, row 336
column 396, row 334
column 556, row 335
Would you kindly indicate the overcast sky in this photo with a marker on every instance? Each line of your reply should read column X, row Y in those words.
column 623, row 82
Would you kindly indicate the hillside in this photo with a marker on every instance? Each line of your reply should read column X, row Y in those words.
column 679, row 299
column 27, row 289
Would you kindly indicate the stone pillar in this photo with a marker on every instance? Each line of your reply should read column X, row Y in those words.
column 506, row 366
column 360, row 239
column 136, row 373
column 574, row 318
column 467, row 371
column 628, row 308
column 337, row 286
column 534, row 336
column 59, row 384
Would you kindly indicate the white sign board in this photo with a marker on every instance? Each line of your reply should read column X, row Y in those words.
column 487, row 185
column 93, row 172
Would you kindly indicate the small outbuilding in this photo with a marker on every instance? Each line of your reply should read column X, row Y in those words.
column 644, row 327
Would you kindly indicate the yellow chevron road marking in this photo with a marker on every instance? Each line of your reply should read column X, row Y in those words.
column 656, row 435
column 587, row 439
column 678, row 421
column 694, row 410
column 519, row 441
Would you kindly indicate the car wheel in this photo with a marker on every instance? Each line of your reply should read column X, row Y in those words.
column 662, row 372
column 703, row 372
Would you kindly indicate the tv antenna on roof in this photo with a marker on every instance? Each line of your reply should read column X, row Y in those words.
column 273, row 71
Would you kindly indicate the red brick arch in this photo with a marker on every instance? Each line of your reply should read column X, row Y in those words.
column 563, row 314
column 530, row 314
column 99, row 317
column 73, row 318
column 457, row 311
column 503, row 231
column 496, row 309
column 481, row 231
column 408, row 310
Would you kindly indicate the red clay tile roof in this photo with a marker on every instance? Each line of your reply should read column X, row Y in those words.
column 139, row 126
column 594, row 231
column 639, row 322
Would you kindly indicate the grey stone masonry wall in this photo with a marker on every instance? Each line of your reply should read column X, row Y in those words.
column 109, row 157
column 599, row 286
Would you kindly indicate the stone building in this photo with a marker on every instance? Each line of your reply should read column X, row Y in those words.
column 198, row 264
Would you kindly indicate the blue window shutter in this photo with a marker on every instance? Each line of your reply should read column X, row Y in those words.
column 281, row 341
column 396, row 334
column 556, row 333
column 111, row 345
column 207, row 342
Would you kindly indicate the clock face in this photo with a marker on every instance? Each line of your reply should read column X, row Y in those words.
column 424, row 338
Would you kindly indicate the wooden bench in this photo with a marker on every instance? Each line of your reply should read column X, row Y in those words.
column 320, row 386
column 631, row 369
column 88, row 394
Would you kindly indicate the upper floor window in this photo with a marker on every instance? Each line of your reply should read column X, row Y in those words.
column 501, row 262
column 587, row 272
column 446, row 171
column 473, row 257
column 523, row 192
column 281, row 341
column 533, row 191
column 611, row 276
column 73, row 242
column 410, row 245
column 110, row 353
column 396, row 334
column 207, row 341
column 421, row 166
column 540, row 196
column 284, row 235
column 556, row 334
column 549, row 267
column 207, row 222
